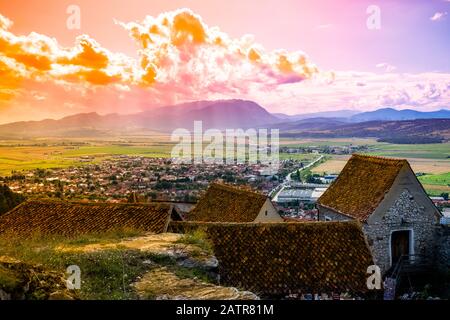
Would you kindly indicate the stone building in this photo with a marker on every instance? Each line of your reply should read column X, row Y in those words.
column 383, row 194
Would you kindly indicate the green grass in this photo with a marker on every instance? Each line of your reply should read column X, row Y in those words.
column 436, row 179
column 198, row 238
column 434, row 192
column 424, row 151
column 107, row 274
column 8, row 280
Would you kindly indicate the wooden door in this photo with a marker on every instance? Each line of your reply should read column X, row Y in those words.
column 399, row 244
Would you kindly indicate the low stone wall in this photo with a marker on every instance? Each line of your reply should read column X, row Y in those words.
column 187, row 226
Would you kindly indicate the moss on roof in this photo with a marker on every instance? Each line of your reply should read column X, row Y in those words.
column 51, row 217
column 224, row 203
column 361, row 185
column 287, row 258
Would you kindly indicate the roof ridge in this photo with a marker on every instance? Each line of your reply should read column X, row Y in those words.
column 236, row 189
column 377, row 158
column 96, row 203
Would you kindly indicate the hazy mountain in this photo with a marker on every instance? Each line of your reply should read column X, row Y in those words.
column 309, row 124
column 222, row 114
column 83, row 124
column 406, row 131
column 326, row 114
column 393, row 114
column 218, row 114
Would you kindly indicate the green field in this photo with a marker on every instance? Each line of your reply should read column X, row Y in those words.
column 291, row 142
column 23, row 158
column 298, row 156
column 431, row 159
column 423, row 151
column 436, row 179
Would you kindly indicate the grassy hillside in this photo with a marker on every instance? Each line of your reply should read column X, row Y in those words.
column 117, row 265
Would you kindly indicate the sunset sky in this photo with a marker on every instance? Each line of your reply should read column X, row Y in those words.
column 290, row 56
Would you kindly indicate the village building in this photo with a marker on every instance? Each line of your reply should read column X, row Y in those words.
column 399, row 219
column 54, row 217
column 225, row 203
column 293, row 259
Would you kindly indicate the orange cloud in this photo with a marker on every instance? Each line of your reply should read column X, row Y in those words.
column 10, row 80
column 253, row 55
column 179, row 58
column 96, row 77
column 187, row 28
column 88, row 54
column 39, row 62
column 181, row 47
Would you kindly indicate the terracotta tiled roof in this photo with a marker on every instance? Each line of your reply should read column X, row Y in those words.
column 224, row 203
column 361, row 185
column 50, row 217
column 284, row 258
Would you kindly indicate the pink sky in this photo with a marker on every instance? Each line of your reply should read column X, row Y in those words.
column 290, row 56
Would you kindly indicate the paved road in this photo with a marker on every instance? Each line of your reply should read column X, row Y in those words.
column 288, row 178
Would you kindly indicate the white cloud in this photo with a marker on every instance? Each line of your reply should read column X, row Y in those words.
column 386, row 67
column 424, row 91
column 438, row 16
column 324, row 26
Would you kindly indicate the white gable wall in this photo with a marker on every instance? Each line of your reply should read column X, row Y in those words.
column 405, row 207
column 268, row 213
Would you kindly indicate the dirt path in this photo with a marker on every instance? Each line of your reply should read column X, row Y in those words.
column 160, row 283
column 156, row 243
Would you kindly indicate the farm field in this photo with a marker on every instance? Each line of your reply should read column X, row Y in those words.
column 435, row 181
column 326, row 142
column 436, row 184
column 421, row 151
column 433, row 160
column 23, row 158
column 431, row 167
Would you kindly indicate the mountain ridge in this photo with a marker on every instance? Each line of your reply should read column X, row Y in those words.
column 237, row 113
column 391, row 114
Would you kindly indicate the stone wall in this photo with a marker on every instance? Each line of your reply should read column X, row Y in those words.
column 404, row 214
column 325, row 213
column 443, row 248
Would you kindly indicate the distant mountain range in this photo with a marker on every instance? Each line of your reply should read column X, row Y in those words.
column 223, row 114
column 404, row 131
column 220, row 114
column 390, row 114
column 343, row 114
